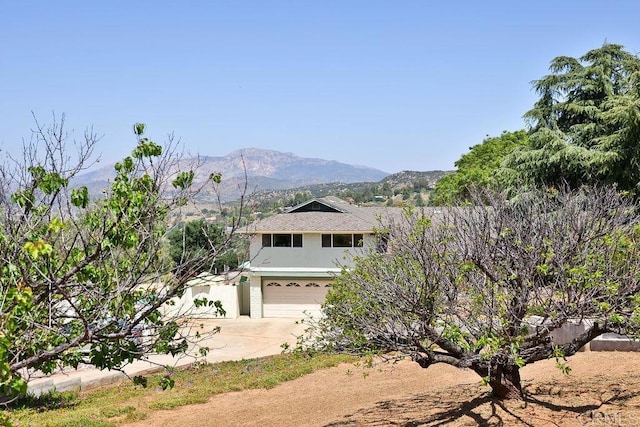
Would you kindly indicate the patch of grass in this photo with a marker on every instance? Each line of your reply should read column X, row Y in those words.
column 124, row 402
column 47, row 401
column 113, row 412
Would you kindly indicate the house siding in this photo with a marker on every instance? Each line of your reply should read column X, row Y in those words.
column 310, row 255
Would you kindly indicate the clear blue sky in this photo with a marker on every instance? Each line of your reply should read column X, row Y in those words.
column 395, row 85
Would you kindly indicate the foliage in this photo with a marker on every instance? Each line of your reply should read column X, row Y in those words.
column 477, row 168
column 192, row 242
column 585, row 126
column 460, row 285
column 84, row 280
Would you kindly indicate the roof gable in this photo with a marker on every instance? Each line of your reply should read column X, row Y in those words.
column 315, row 205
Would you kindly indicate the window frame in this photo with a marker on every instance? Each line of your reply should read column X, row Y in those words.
column 342, row 240
column 278, row 240
column 356, row 240
column 282, row 240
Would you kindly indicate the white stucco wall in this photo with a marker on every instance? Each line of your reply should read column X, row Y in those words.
column 211, row 288
column 574, row 327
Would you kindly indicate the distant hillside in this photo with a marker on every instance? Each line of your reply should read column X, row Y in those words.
column 425, row 180
column 400, row 187
column 265, row 170
column 289, row 167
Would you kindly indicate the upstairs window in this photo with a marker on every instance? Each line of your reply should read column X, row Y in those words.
column 342, row 240
column 282, row 240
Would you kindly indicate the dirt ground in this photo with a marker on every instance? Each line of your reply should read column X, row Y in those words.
column 603, row 389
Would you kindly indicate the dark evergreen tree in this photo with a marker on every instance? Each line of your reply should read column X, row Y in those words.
column 585, row 126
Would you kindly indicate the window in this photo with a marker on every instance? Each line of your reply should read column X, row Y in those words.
column 342, row 240
column 282, row 240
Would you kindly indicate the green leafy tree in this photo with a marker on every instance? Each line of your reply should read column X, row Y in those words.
column 82, row 279
column 406, row 192
column 422, row 184
column 477, row 168
column 585, row 126
column 484, row 287
column 386, row 190
column 198, row 240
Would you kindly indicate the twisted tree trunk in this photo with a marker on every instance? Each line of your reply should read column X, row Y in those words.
column 502, row 375
column 504, row 381
column 500, row 371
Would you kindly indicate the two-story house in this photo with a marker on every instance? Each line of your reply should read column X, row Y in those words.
column 296, row 254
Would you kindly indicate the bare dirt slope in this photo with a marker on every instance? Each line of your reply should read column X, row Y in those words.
column 602, row 389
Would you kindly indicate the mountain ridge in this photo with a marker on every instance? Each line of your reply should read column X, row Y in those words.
column 264, row 170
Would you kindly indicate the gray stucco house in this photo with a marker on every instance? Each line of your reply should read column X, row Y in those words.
column 296, row 254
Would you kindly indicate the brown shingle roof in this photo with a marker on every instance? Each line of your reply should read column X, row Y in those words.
column 351, row 218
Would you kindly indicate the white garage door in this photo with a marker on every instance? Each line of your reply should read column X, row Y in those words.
column 292, row 299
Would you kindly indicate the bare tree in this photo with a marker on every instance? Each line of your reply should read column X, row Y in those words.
column 484, row 286
column 85, row 279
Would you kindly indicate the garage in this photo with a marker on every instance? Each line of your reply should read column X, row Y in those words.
column 293, row 299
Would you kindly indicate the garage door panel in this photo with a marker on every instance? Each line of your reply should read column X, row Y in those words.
column 280, row 300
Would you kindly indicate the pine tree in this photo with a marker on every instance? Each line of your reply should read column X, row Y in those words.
column 585, row 126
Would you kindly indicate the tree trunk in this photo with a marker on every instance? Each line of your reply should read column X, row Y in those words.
column 504, row 381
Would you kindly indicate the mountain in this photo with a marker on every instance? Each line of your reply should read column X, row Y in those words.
column 289, row 167
column 265, row 170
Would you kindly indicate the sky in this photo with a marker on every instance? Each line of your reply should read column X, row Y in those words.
column 393, row 85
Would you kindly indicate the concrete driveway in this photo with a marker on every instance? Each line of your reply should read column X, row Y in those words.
column 241, row 338
column 246, row 338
